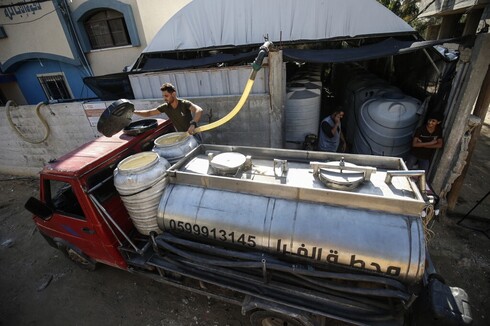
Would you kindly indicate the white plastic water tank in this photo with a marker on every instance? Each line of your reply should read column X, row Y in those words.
column 302, row 115
column 386, row 124
column 315, row 87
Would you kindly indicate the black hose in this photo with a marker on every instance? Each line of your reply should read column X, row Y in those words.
column 388, row 293
column 385, row 293
column 224, row 263
column 333, row 304
column 294, row 269
column 360, row 300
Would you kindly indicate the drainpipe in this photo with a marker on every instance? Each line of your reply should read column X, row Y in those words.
column 65, row 11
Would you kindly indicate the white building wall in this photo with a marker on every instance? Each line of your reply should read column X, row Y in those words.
column 150, row 16
column 31, row 28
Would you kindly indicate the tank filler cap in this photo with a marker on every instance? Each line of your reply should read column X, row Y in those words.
column 341, row 175
column 227, row 163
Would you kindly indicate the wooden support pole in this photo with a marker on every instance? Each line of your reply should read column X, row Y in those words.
column 277, row 89
column 464, row 104
column 480, row 110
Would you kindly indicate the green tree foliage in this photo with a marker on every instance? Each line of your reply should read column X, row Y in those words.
column 409, row 10
column 405, row 9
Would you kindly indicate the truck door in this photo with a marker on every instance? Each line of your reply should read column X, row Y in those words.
column 69, row 221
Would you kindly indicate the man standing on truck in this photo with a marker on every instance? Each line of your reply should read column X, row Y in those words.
column 178, row 110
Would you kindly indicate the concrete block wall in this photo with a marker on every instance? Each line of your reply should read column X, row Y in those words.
column 68, row 129
column 73, row 124
column 250, row 127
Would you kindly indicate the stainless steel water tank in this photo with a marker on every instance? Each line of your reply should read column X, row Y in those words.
column 376, row 241
column 140, row 180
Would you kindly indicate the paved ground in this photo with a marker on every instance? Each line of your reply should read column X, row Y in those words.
column 39, row 286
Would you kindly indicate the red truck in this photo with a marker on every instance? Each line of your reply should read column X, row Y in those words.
column 273, row 231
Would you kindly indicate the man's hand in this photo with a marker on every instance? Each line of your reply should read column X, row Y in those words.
column 190, row 131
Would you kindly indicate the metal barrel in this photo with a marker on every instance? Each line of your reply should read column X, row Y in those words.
column 174, row 146
column 373, row 241
column 140, row 180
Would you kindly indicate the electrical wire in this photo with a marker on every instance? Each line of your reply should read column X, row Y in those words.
column 22, row 3
column 429, row 213
column 30, row 21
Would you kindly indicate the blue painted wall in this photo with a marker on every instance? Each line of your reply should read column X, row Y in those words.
column 27, row 72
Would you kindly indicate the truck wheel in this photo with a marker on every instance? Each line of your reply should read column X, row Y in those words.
column 78, row 257
column 269, row 318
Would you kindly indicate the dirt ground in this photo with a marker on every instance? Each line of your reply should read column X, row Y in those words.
column 39, row 286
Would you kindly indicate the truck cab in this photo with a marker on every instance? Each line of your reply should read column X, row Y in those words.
column 66, row 213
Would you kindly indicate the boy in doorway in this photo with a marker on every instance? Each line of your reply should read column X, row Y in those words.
column 425, row 141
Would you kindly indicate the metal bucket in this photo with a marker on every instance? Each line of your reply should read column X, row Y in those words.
column 174, row 146
column 140, row 180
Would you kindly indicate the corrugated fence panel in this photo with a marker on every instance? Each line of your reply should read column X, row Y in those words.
column 199, row 82
column 155, row 85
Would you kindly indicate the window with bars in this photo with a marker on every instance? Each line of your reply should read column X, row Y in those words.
column 106, row 28
column 55, row 86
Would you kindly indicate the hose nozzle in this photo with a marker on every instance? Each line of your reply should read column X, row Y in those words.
column 263, row 51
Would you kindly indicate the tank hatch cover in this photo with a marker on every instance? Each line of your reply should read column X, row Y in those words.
column 115, row 118
column 138, row 127
column 227, row 163
column 338, row 176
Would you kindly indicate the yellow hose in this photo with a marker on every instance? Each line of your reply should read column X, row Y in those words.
column 232, row 113
column 18, row 132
